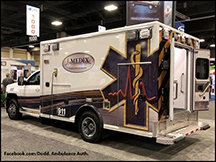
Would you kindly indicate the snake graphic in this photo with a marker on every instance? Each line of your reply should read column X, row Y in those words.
column 135, row 58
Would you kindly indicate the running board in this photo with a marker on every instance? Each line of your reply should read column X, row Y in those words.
column 177, row 135
column 31, row 112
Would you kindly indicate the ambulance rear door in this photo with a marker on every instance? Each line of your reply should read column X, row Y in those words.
column 202, row 80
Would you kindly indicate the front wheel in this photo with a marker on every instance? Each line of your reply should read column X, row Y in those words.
column 89, row 127
column 13, row 110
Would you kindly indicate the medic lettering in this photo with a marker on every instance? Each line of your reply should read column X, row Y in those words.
column 85, row 60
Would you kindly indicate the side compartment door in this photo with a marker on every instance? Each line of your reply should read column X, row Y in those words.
column 53, row 83
column 202, row 80
column 46, row 73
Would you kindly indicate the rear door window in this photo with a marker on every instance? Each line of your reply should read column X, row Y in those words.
column 202, row 68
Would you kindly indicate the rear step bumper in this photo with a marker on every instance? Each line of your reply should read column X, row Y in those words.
column 177, row 135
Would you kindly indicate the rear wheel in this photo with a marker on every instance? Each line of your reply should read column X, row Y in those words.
column 13, row 110
column 89, row 127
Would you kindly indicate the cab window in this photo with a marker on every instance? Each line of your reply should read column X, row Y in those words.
column 34, row 80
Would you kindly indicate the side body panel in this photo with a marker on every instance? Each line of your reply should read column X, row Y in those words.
column 74, row 87
column 121, row 86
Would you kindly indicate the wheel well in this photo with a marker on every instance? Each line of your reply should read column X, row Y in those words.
column 9, row 97
column 91, row 108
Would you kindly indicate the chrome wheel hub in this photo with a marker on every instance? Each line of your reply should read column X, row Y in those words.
column 12, row 109
column 88, row 127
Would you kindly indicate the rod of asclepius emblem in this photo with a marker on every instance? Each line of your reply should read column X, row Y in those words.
column 135, row 58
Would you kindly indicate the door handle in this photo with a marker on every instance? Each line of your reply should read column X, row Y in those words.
column 182, row 77
column 176, row 94
column 204, row 90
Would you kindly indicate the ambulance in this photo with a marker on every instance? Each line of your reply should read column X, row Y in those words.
column 148, row 79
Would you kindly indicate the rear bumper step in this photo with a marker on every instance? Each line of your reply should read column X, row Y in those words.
column 177, row 135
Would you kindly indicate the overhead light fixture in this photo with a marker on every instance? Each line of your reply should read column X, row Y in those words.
column 202, row 40
column 110, row 7
column 31, row 46
column 56, row 23
column 212, row 45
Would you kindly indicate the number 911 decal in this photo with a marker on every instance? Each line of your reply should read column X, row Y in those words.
column 61, row 111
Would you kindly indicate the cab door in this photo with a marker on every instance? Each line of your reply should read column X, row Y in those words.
column 29, row 94
column 202, row 80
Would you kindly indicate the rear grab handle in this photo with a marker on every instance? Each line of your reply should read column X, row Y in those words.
column 182, row 79
column 176, row 93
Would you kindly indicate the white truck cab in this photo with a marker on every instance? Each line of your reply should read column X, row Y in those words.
column 30, row 89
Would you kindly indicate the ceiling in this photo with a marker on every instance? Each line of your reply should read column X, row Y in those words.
column 81, row 17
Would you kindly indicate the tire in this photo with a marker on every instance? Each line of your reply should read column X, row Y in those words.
column 89, row 127
column 13, row 110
